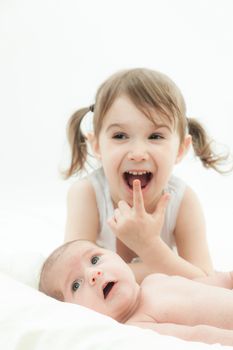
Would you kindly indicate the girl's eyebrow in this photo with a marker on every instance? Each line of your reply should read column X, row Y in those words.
column 160, row 126
column 116, row 125
column 123, row 125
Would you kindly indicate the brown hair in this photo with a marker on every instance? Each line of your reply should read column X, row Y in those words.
column 148, row 90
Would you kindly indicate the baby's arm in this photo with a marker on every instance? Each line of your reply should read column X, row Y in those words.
column 200, row 333
column 140, row 231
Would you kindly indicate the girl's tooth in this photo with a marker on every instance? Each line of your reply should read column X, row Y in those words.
column 137, row 172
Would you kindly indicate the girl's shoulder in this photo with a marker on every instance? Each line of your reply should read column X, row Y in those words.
column 81, row 189
column 92, row 187
column 81, row 206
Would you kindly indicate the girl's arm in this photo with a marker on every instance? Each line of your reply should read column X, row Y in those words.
column 82, row 213
column 190, row 233
column 158, row 257
column 218, row 279
column 200, row 333
column 140, row 231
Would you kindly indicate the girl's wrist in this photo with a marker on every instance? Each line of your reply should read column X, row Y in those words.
column 150, row 248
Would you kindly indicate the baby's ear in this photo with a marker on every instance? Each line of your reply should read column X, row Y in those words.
column 92, row 140
column 184, row 147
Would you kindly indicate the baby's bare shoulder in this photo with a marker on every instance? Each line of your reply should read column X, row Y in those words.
column 155, row 284
column 155, row 278
column 156, row 298
column 164, row 285
column 164, row 298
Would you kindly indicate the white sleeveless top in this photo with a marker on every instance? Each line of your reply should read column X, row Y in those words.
column 107, row 239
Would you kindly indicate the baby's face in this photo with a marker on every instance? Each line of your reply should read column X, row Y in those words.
column 95, row 278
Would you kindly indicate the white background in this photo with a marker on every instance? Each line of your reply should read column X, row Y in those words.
column 53, row 56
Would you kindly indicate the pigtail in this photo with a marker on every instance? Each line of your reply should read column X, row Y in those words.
column 77, row 141
column 202, row 146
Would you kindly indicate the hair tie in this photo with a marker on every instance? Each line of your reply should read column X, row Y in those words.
column 91, row 108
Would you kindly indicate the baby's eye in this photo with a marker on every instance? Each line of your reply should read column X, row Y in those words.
column 155, row 136
column 120, row 136
column 75, row 286
column 94, row 260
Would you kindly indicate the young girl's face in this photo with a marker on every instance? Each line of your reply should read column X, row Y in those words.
column 131, row 146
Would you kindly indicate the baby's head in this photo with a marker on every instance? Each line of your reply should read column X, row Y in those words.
column 82, row 273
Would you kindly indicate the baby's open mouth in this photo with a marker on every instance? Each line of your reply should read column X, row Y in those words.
column 144, row 177
column 108, row 287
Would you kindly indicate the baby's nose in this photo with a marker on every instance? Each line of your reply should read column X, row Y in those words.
column 94, row 275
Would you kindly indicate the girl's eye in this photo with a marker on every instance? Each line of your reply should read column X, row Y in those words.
column 94, row 260
column 119, row 136
column 75, row 286
column 155, row 136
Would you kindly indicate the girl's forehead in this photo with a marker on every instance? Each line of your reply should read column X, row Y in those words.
column 123, row 109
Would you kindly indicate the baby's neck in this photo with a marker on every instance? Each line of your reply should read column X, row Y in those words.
column 132, row 308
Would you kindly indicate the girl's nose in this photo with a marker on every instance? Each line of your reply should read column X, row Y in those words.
column 93, row 275
column 138, row 153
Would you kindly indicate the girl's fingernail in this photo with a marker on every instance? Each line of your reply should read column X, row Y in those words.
column 137, row 182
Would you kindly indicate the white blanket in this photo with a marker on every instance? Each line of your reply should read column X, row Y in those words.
column 30, row 320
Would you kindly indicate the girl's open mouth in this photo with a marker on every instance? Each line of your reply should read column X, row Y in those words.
column 144, row 177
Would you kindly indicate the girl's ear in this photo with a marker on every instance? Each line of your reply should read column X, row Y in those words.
column 184, row 147
column 91, row 138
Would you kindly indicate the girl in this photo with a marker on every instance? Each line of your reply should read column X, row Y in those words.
column 140, row 132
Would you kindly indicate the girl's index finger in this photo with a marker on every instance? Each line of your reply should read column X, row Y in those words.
column 138, row 202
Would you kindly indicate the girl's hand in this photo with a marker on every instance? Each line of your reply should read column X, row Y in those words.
column 134, row 226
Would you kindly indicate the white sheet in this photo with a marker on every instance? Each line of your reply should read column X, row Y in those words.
column 30, row 320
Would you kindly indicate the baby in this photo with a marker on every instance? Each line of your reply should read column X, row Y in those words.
column 83, row 273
